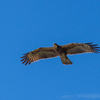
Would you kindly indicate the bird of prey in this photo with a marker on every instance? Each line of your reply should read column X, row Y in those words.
column 58, row 50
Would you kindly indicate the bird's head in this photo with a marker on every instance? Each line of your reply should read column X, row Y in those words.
column 55, row 45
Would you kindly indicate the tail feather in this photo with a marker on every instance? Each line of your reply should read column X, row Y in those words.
column 65, row 60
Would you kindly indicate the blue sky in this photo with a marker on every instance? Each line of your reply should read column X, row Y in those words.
column 29, row 24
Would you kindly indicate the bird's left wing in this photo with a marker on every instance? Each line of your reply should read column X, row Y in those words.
column 76, row 48
column 40, row 53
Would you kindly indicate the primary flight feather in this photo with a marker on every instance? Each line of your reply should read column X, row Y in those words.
column 62, row 51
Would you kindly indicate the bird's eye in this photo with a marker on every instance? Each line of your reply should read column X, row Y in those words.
column 82, row 45
column 32, row 52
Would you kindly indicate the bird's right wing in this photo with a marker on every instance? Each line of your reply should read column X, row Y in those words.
column 40, row 53
column 76, row 48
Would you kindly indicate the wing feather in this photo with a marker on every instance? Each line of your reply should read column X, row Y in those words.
column 76, row 48
column 40, row 53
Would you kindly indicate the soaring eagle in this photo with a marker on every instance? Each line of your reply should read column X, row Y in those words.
column 58, row 50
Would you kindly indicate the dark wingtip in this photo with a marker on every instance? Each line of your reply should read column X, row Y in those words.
column 25, row 59
column 89, row 43
column 94, row 47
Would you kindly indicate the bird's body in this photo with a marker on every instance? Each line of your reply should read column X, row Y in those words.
column 62, row 51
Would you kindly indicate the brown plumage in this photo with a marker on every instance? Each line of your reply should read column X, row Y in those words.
column 62, row 51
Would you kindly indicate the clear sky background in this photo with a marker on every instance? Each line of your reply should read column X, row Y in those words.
column 26, row 25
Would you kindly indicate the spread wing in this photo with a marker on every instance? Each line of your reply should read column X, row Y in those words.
column 40, row 53
column 75, row 48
